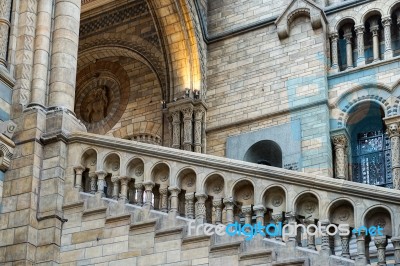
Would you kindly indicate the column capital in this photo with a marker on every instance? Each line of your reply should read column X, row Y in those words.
column 217, row 203
column 277, row 217
column 101, row 174
column 139, row 185
column 339, row 141
column 163, row 190
column 334, row 36
column 189, row 196
column 374, row 28
column 124, row 179
column 201, row 197
column 359, row 29
column 229, row 203
column 187, row 111
column 380, row 241
column 115, row 178
column 148, row 185
column 79, row 169
column 174, row 190
column 259, row 210
column 246, row 209
column 396, row 242
column 386, row 21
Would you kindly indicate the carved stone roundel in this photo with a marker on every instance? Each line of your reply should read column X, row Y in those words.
column 164, row 178
column 115, row 166
column 93, row 162
column 247, row 194
column 190, row 182
column 380, row 222
column 139, row 171
column 217, row 189
column 344, row 216
column 277, row 201
column 309, row 207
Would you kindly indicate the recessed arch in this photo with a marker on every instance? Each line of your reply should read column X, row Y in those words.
column 265, row 152
column 160, row 173
column 307, row 204
column 243, row 192
column 379, row 215
column 214, row 185
column 186, row 179
column 341, row 211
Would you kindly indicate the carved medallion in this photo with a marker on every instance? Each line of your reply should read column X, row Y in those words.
column 93, row 162
column 217, row 189
column 190, row 182
column 380, row 222
column 139, row 171
column 277, row 201
column 344, row 215
column 115, row 166
column 247, row 194
column 164, row 178
column 309, row 207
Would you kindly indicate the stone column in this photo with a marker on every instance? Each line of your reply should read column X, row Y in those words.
column 229, row 210
column 387, row 23
column 325, row 245
column 41, row 53
column 189, row 205
column 348, row 35
column 374, row 28
column 139, row 194
column 247, row 211
column 187, row 112
column 345, row 241
column 176, row 129
column 359, row 29
column 148, row 187
column 310, row 238
column 200, row 208
column 78, row 177
column 340, row 143
column 124, row 188
column 93, row 182
column 381, row 243
column 277, row 218
column 260, row 211
column 174, row 199
column 396, row 245
column 291, row 219
column 361, row 259
column 393, row 130
column 217, row 204
column 334, row 47
column 5, row 11
column 115, row 191
column 198, row 122
column 101, row 175
column 164, row 199
column 64, row 53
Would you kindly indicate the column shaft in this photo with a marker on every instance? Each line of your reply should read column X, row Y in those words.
column 387, row 23
column 198, row 117
column 334, row 47
column 93, row 182
column 200, row 208
column 78, row 177
column 189, row 205
column 375, row 39
column 124, row 188
column 187, row 127
column 229, row 211
column 340, row 143
column 176, row 129
column 5, row 10
column 148, row 194
column 115, row 191
column 348, row 35
column 217, row 204
column 393, row 130
column 360, row 45
column 164, row 199
column 139, row 194
column 101, row 175
column 174, row 199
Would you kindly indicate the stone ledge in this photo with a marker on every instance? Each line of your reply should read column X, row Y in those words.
column 195, row 239
column 143, row 227
column 169, row 231
column 73, row 205
column 292, row 262
column 119, row 218
column 225, row 247
column 94, row 211
column 256, row 255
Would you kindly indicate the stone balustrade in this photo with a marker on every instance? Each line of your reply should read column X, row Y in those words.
column 219, row 190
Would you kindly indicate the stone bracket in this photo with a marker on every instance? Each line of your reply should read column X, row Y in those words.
column 6, row 144
column 298, row 8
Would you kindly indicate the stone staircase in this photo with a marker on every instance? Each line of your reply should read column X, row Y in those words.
column 101, row 231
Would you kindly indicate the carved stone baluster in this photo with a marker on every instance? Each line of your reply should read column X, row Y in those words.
column 340, row 143
column 345, row 241
column 387, row 23
column 381, row 243
column 164, row 199
column 174, row 199
column 393, row 130
column 115, row 191
column 277, row 218
column 139, row 194
column 93, row 182
column 310, row 238
column 189, row 205
column 359, row 29
column 325, row 245
column 291, row 218
column 187, row 127
column 229, row 205
column 260, row 211
column 217, row 204
column 374, row 28
column 176, row 129
column 247, row 211
column 348, row 35
column 78, row 177
column 361, row 258
column 101, row 175
column 334, row 47
column 124, row 188
column 198, row 121
column 396, row 245
column 200, row 208
column 5, row 8
column 148, row 187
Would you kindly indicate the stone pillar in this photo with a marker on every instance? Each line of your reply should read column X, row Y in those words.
column 93, row 182
column 325, row 245
column 198, row 123
column 277, row 218
column 387, row 23
column 41, row 53
column 5, row 11
column 139, row 194
column 115, row 191
column 381, row 243
column 78, row 177
column 374, row 28
column 164, row 199
column 64, row 53
column 101, row 175
column 396, row 245
column 361, row 259
column 310, row 238
column 229, row 210
column 291, row 219
column 393, row 130
column 334, row 47
column 340, row 143
column 148, row 187
column 174, row 199
column 189, row 205
column 359, row 29
column 187, row 112
column 247, row 211
column 124, row 188
column 345, row 241
column 260, row 211
column 217, row 204
column 200, row 208
column 348, row 35
column 176, row 129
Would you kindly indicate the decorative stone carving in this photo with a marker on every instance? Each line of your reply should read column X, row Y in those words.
column 7, row 128
column 174, row 198
column 217, row 204
column 139, row 194
column 148, row 186
column 164, row 199
column 115, row 166
column 176, row 129
column 380, row 222
column 393, row 131
column 200, row 208
column 190, row 182
column 218, row 188
column 115, row 187
column 163, row 178
column 101, row 175
column 229, row 204
column 309, row 207
column 277, row 200
column 96, row 105
column 247, row 211
column 348, row 35
column 359, row 29
column 247, row 194
column 189, row 205
column 139, row 171
column 381, row 243
column 310, row 237
column 187, row 112
column 124, row 188
column 387, row 22
column 260, row 211
column 396, row 245
column 374, row 28
column 93, row 182
column 78, row 177
column 340, row 143
column 334, row 47
column 345, row 241
column 198, row 121
column 6, row 152
column 5, row 7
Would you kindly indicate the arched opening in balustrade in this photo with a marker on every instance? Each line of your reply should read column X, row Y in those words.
column 243, row 196
column 266, row 152
column 215, row 191
column 160, row 175
column 274, row 201
column 370, row 145
column 89, row 162
column 347, row 53
column 374, row 37
column 112, row 165
column 379, row 216
column 135, row 171
column 187, row 183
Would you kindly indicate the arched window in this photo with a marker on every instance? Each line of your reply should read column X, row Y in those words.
column 265, row 152
column 370, row 145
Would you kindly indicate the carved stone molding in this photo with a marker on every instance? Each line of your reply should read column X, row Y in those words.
column 6, row 152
